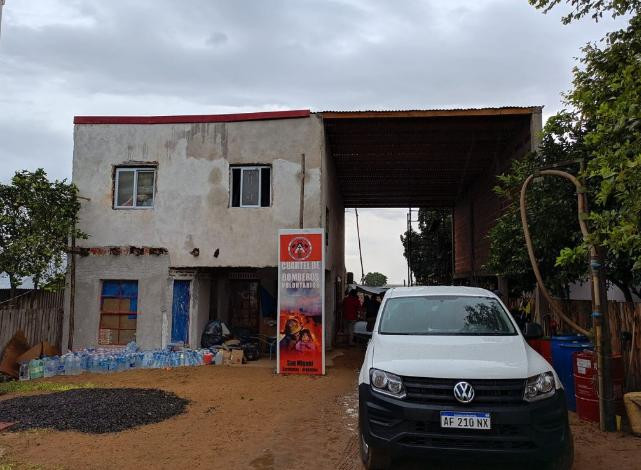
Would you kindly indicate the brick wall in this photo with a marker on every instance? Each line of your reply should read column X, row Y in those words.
column 474, row 215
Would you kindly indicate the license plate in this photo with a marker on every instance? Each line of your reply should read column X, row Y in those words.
column 465, row 420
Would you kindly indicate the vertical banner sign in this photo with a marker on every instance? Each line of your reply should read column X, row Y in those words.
column 301, row 302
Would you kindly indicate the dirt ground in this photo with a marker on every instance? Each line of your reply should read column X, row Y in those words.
column 246, row 417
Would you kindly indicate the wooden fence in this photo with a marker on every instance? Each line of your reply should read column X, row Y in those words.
column 625, row 331
column 39, row 314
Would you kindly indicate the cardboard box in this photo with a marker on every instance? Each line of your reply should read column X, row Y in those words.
column 49, row 349
column 237, row 356
column 14, row 349
column 40, row 349
column 226, row 357
column 233, row 356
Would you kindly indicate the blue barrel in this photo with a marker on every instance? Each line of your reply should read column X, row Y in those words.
column 557, row 355
column 565, row 368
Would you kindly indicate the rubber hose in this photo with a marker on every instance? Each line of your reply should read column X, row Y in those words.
column 530, row 249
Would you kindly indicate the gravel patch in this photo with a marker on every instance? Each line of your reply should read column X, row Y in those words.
column 95, row 410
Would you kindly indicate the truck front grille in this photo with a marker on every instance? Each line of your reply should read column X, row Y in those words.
column 486, row 392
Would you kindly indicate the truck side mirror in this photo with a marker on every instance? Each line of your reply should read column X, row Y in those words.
column 533, row 331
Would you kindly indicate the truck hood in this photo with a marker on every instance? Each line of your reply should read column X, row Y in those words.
column 452, row 357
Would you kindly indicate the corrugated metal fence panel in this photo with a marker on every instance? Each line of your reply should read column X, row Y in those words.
column 39, row 314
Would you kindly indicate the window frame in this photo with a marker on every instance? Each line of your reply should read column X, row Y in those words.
column 242, row 169
column 135, row 170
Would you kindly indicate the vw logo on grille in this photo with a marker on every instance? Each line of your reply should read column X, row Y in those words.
column 463, row 392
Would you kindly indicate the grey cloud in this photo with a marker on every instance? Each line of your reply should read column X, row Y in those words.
column 321, row 54
column 31, row 145
column 217, row 38
column 163, row 57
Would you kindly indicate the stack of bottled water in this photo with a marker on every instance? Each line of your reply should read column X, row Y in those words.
column 103, row 361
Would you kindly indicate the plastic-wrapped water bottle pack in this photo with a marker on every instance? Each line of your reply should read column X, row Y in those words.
column 108, row 360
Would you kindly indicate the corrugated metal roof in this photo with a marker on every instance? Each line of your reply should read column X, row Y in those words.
column 423, row 158
column 430, row 109
column 305, row 113
column 443, row 112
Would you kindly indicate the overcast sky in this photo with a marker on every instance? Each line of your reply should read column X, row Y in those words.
column 64, row 58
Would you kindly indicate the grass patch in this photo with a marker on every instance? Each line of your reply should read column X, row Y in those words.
column 28, row 386
column 6, row 464
column 24, row 466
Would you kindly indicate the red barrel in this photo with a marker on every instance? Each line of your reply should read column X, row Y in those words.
column 535, row 344
column 586, row 389
column 546, row 349
column 543, row 346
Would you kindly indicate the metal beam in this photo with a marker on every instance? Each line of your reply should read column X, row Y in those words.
column 505, row 111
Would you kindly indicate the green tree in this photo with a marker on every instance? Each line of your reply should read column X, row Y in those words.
column 431, row 247
column 602, row 128
column 595, row 8
column 552, row 214
column 375, row 279
column 607, row 97
column 37, row 217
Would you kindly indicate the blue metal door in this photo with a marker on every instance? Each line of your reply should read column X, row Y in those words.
column 180, row 312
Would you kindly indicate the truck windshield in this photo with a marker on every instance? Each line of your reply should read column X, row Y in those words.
column 445, row 315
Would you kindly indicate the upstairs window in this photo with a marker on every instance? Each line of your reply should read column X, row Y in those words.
column 135, row 188
column 251, row 186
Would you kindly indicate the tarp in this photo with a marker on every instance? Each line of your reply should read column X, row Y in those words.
column 369, row 290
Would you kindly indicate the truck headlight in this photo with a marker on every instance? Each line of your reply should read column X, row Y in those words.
column 386, row 383
column 539, row 387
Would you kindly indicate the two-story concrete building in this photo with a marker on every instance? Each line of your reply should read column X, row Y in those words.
column 182, row 212
column 195, row 202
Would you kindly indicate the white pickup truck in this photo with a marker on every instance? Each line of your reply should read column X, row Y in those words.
column 448, row 375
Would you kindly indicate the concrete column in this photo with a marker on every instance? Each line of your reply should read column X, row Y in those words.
column 536, row 127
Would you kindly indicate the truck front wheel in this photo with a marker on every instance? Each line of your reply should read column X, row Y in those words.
column 374, row 458
column 566, row 459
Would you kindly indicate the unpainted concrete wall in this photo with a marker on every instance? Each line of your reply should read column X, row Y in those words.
column 192, row 187
column 334, row 224
column 191, row 210
column 199, row 311
column 151, row 272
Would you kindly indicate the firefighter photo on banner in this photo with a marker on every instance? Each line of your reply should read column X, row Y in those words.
column 301, row 302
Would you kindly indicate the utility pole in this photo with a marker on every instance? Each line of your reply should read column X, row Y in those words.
column 409, row 248
column 410, row 281
column 301, row 214
column 360, row 253
column 72, row 290
column 1, row 5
